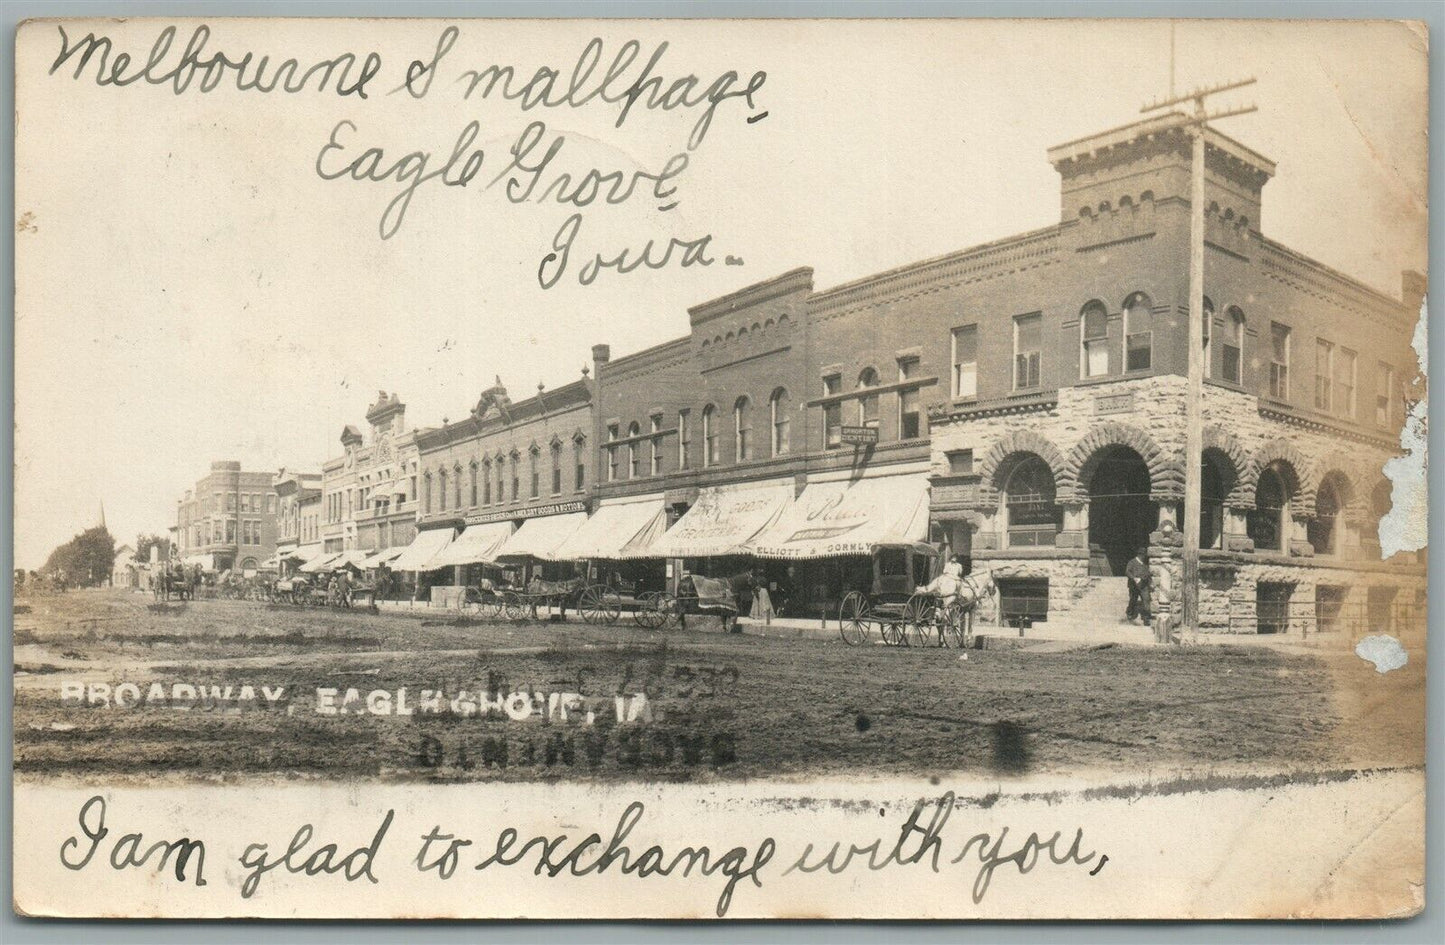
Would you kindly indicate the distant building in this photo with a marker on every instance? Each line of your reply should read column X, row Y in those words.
column 228, row 521
column 298, row 520
column 123, row 571
column 368, row 493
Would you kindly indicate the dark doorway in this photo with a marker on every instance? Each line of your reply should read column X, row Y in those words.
column 1121, row 514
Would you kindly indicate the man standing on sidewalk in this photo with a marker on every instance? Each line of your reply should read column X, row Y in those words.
column 1137, row 571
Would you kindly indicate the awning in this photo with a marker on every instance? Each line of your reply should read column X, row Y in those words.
column 617, row 530
column 355, row 558
column 724, row 519
column 477, row 545
column 425, row 546
column 321, row 562
column 269, row 563
column 541, row 537
column 384, row 556
column 849, row 518
column 304, row 553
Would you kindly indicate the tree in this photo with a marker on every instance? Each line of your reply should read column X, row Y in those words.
column 84, row 560
column 143, row 545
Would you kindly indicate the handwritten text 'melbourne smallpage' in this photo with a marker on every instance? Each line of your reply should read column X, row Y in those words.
column 530, row 171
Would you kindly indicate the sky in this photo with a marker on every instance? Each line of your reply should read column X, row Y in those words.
column 190, row 289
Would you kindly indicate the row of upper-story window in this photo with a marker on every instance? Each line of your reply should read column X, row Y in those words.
column 342, row 505
column 733, row 436
column 1336, row 366
column 485, row 482
column 252, row 502
column 224, row 530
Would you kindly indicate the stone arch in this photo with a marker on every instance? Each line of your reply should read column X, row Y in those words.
column 1166, row 477
column 1358, row 479
column 1246, row 474
column 993, row 463
column 1299, row 473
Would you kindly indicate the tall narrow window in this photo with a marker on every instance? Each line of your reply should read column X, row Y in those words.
column 1279, row 361
column 458, row 486
column 1345, row 367
column 535, row 473
column 910, row 421
column 487, row 483
column 709, row 436
column 1384, row 393
column 501, row 479
column 1138, row 333
column 832, row 412
column 634, row 447
column 427, row 494
column 742, row 429
column 474, row 482
column 1207, row 333
column 684, row 439
column 1231, row 348
column 612, row 453
column 556, row 468
column 965, row 361
column 655, row 445
column 1094, row 330
column 781, row 422
column 442, row 505
column 868, row 403
column 516, row 477
column 580, row 479
column 1324, row 373
column 1028, row 350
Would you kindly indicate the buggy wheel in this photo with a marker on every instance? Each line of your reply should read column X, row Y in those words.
column 513, row 608
column 918, row 620
column 647, row 615
column 589, row 603
column 470, row 606
column 894, row 631
column 955, row 626
column 599, row 604
column 669, row 610
column 490, row 605
column 853, row 619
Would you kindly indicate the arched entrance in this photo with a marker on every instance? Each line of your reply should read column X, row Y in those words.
column 1121, row 513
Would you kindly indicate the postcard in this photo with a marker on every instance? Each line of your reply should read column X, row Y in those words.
column 720, row 469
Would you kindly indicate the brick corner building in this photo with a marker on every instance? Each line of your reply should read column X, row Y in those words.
column 228, row 521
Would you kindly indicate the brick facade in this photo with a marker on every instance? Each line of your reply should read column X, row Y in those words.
column 229, row 518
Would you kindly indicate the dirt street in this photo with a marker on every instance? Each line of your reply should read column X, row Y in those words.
column 694, row 705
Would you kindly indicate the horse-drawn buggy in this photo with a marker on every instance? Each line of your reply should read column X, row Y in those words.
column 173, row 584
column 913, row 602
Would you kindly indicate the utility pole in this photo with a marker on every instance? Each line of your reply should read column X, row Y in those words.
column 1196, row 125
